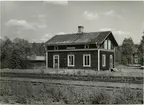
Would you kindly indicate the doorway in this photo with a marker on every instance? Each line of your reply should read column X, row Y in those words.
column 56, row 61
column 111, row 61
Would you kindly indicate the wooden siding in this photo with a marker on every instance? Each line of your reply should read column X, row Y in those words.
column 107, row 53
column 78, row 59
column 63, row 47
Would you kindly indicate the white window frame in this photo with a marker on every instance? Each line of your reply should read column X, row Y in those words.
column 105, row 44
column 86, row 46
column 109, row 44
column 69, row 60
column 103, row 60
column 84, row 60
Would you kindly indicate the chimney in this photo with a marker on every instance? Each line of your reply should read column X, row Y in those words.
column 80, row 29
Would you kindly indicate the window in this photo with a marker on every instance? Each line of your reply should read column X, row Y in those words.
column 71, row 60
column 86, row 60
column 55, row 47
column 109, row 44
column 103, row 60
column 86, row 46
column 105, row 44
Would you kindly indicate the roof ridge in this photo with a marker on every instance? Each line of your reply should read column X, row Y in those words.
column 83, row 32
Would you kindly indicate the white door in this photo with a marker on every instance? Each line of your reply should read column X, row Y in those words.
column 56, row 61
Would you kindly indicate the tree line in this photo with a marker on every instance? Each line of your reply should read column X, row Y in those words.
column 14, row 53
column 128, row 49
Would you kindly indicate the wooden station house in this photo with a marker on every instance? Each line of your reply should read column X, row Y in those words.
column 81, row 50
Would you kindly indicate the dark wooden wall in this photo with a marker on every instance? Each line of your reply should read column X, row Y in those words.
column 107, row 53
column 78, row 59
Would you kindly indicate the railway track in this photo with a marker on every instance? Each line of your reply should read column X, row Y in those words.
column 102, row 85
column 114, row 79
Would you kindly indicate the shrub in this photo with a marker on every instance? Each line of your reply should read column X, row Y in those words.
column 128, row 96
column 100, row 97
column 6, row 99
column 23, row 92
column 79, row 72
column 26, row 92
column 21, row 99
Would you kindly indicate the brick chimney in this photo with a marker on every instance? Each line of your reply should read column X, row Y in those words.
column 80, row 29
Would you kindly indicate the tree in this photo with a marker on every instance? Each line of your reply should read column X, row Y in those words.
column 141, row 50
column 127, row 50
column 5, row 55
column 14, row 53
column 141, row 46
column 38, row 49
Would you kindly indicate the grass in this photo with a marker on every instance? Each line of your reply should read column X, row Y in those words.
column 30, row 93
column 123, row 71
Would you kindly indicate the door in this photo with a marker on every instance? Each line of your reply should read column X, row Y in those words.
column 56, row 61
column 111, row 61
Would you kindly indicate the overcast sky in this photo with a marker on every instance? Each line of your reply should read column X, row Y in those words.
column 38, row 21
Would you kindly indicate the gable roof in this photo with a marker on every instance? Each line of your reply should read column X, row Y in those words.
column 80, row 38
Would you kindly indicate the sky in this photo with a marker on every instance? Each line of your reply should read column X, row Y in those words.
column 38, row 21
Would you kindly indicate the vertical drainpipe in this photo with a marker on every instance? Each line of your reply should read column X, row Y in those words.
column 98, row 59
column 114, row 57
column 46, row 57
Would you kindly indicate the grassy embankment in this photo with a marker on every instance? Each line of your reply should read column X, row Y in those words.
column 43, row 93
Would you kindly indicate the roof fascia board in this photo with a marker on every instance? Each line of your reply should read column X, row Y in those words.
column 81, row 50
column 105, row 38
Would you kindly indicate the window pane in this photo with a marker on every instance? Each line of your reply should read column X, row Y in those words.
column 109, row 44
column 71, row 60
column 105, row 44
column 56, row 57
column 56, row 60
column 87, row 60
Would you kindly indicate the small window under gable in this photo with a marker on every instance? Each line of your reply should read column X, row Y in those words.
column 105, row 44
column 86, row 46
column 109, row 44
column 55, row 47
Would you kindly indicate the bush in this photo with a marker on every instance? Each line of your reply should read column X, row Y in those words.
column 26, row 93
column 141, row 61
column 23, row 92
column 100, row 97
column 6, row 99
column 128, row 96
